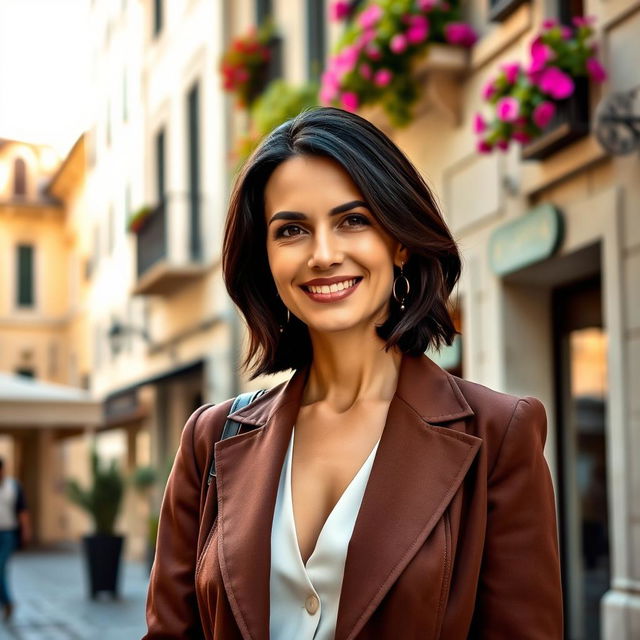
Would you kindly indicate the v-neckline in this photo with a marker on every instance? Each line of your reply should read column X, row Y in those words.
column 289, row 498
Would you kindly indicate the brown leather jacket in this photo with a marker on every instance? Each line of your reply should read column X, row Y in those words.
column 455, row 537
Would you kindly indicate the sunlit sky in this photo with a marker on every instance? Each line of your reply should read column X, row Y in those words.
column 44, row 61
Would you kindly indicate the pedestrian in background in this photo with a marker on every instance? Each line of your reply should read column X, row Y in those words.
column 15, row 530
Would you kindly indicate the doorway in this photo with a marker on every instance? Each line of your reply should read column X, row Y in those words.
column 580, row 363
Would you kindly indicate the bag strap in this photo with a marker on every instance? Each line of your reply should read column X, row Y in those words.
column 231, row 427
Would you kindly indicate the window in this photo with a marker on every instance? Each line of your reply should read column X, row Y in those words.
column 157, row 17
column 19, row 177
column 501, row 9
column 315, row 38
column 193, row 160
column 263, row 11
column 24, row 273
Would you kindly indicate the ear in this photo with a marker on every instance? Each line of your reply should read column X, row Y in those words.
column 401, row 255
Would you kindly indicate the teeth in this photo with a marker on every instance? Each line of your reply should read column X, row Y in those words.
column 333, row 288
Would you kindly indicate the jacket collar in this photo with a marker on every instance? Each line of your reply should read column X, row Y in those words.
column 431, row 391
column 417, row 469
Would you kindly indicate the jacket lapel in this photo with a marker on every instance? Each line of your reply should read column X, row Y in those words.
column 416, row 472
column 418, row 468
column 248, row 470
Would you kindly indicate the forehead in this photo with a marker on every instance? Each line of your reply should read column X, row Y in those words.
column 304, row 180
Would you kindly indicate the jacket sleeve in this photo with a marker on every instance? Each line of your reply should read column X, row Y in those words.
column 172, row 610
column 520, row 592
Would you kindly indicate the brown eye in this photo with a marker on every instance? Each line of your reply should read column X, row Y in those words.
column 286, row 231
column 356, row 220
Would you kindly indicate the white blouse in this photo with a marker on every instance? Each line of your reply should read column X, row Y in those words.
column 304, row 599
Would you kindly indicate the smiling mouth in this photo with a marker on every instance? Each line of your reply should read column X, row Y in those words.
column 332, row 292
column 332, row 288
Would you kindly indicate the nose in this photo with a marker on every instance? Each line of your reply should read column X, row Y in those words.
column 325, row 251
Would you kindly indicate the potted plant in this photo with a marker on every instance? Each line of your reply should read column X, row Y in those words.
column 279, row 102
column 143, row 480
column 245, row 64
column 374, row 60
column 544, row 104
column 138, row 218
column 102, row 501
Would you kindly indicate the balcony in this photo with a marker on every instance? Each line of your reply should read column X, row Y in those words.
column 169, row 247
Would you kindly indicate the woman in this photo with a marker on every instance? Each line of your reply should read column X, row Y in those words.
column 373, row 495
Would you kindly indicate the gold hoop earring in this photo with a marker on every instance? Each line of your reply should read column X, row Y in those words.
column 400, row 300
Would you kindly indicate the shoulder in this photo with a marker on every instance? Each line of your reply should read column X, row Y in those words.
column 499, row 415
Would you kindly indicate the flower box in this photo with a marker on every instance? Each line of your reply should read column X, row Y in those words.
column 570, row 123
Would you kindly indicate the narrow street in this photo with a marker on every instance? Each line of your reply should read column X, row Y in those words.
column 49, row 590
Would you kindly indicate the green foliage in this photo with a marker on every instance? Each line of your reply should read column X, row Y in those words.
column 143, row 478
column 279, row 102
column 102, row 500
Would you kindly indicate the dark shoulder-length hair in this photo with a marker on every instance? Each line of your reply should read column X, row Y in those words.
column 401, row 202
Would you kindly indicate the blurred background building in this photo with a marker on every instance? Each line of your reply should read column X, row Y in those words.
column 111, row 285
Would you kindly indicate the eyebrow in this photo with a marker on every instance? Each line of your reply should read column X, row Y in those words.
column 298, row 215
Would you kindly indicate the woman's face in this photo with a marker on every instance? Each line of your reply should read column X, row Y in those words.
column 331, row 261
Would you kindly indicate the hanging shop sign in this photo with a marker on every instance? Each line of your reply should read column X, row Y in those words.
column 533, row 237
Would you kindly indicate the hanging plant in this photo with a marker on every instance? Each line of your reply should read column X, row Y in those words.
column 524, row 100
column 373, row 60
column 279, row 102
column 245, row 64
column 138, row 218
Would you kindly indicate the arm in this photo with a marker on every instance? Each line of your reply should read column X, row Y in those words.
column 172, row 610
column 23, row 516
column 520, row 593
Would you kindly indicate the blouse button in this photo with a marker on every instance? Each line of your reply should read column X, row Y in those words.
column 311, row 604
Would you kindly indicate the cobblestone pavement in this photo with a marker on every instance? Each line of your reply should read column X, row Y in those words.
column 51, row 602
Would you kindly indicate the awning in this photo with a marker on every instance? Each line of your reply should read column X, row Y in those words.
column 25, row 402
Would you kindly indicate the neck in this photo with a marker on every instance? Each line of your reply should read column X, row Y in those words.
column 349, row 369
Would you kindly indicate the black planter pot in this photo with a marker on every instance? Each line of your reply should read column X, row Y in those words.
column 570, row 123
column 102, row 554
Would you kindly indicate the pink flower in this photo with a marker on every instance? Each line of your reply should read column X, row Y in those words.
column 382, row 77
column 479, row 124
column 596, row 70
column 549, row 24
column 488, row 90
column 339, row 10
column 543, row 113
column 508, row 109
column 366, row 37
column 556, row 83
column 460, row 33
column 416, row 35
column 583, row 21
column 327, row 95
column 398, row 43
column 373, row 51
column 330, row 79
column 349, row 101
column 521, row 136
column 365, row 71
column 566, row 33
column 427, row 5
column 503, row 145
column 418, row 20
column 540, row 55
column 511, row 72
column 483, row 146
column 370, row 16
